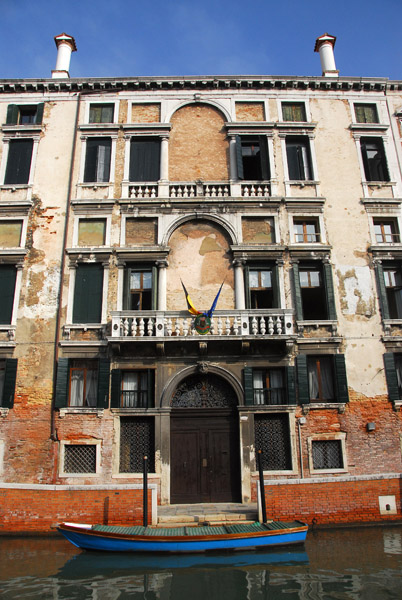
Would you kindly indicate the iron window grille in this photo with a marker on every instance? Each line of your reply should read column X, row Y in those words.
column 79, row 458
column 137, row 439
column 272, row 437
column 327, row 454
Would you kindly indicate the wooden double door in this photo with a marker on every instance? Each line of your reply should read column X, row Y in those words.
column 204, row 457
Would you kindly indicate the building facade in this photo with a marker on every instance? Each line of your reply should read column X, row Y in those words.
column 284, row 193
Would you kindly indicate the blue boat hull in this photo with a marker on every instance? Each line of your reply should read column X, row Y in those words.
column 90, row 539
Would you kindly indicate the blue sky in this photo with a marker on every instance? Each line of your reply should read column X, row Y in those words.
column 118, row 38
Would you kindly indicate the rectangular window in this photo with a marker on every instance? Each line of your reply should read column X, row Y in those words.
column 386, row 231
column 366, row 113
column 299, row 158
column 374, row 161
column 88, row 293
column 144, row 159
column 10, row 234
column 313, row 293
column 321, row 379
column 24, row 114
column 393, row 286
column 8, row 275
column 272, row 437
column 101, row 113
column 294, row 111
column 19, row 161
column 140, row 289
column 137, row 439
column 327, row 454
column 91, row 232
column 8, row 376
column 252, row 158
column 83, row 385
column 79, row 458
column 269, row 386
column 306, row 232
column 393, row 373
column 260, row 288
column 97, row 160
column 134, row 392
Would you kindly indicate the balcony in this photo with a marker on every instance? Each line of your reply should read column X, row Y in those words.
column 178, row 325
column 185, row 190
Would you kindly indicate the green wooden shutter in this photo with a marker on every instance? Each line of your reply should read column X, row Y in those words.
column 94, row 171
column 329, row 289
column 287, row 112
column 151, row 388
column 19, row 161
column 115, row 389
column 239, row 158
column 10, row 376
column 292, row 155
column 391, row 377
column 39, row 113
column 247, row 291
column 276, row 287
column 154, row 287
column 144, row 159
column 297, row 292
column 341, row 378
column 8, row 274
column 248, row 386
column 12, row 114
column 291, row 384
column 62, row 380
column 382, row 292
column 265, row 171
column 103, row 382
column 302, row 379
column 88, row 293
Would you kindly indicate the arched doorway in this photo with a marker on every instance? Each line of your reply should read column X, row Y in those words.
column 204, row 441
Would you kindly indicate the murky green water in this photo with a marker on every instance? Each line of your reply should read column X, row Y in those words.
column 364, row 563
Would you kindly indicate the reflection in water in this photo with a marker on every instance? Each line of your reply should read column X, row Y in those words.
column 364, row 563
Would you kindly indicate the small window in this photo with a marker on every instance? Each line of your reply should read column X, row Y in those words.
column 260, row 288
column 10, row 234
column 313, row 293
column 8, row 275
column 144, row 159
column 269, row 386
column 134, row 389
column 24, row 114
column 321, row 379
column 327, row 454
column 252, row 158
column 374, row 161
column 272, row 437
column 137, row 439
column 88, row 293
column 306, row 231
column 393, row 286
column 79, row 458
column 91, row 232
column 19, row 161
column 8, row 375
column 97, row 160
column 299, row 158
column 386, row 231
column 140, row 289
column 101, row 113
column 83, row 386
column 366, row 113
column 294, row 111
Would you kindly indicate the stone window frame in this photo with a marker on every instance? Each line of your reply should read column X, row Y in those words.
column 132, row 215
column 322, row 437
column 295, row 100
column 380, row 113
column 92, row 442
column 101, row 132
column 24, row 229
column 385, row 216
column 28, row 134
column 307, row 215
column 103, row 100
column 94, row 216
column 86, row 256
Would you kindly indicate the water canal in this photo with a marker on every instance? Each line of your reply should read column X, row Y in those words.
column 356, row 563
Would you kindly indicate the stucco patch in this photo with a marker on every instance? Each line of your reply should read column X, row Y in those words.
column 355, row 290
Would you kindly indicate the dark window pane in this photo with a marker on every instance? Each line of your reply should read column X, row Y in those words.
column 321, row 378
column 97, row 160
column 88, row 293
column 373, row 155
column 313, row 294
column 101, row 113
column 144, row 159
column 137, row 439
column 8, row 274
column 299, row 159
column 80, row 458
column 366, row 113
column 19, row 161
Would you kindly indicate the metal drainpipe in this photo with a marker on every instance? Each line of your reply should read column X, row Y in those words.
column 300, row 449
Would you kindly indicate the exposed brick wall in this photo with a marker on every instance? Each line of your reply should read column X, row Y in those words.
column 250, row 111
column 141, row 231
column 258, row 231
column 336, row 502
column 146, row 113
column 40, row 510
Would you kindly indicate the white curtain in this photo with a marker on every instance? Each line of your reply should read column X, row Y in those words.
column 77, row 387
column 276, row 383
column 130, row 386
column 90, row 390
column 258, row 385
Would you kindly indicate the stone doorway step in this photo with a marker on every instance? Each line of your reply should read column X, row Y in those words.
column 176, row 515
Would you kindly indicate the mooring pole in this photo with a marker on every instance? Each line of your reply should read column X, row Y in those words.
column 145, row 493
column 262, row 488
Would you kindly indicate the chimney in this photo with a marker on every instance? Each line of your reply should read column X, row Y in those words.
column 65, row 45
column 325, row 46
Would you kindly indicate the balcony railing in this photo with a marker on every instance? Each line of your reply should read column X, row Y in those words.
column 269, row 323
column 183, row 190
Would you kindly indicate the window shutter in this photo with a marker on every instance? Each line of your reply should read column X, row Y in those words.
column 103, row 382
column 154, row 287
column 302, row 379
column 8, row 274
column 63, row 372
column 97, row 160
column 10, row 377
column 341, row 378
column 329, row 288
column 39, row 113
column 264, row 157
column 293, row 162
column 151, row 388
column 291, row 384
column 19, row 161
column 248, row 386
column 88, row 293
column 115, row 389
column 287, row 112
column 276, row 287
column 382, row 292
column 12, row 114
column 239, row 158
column 297, row 291
column 391, row 377
column 90, row 161
column 246, row 271
column 144, row 159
